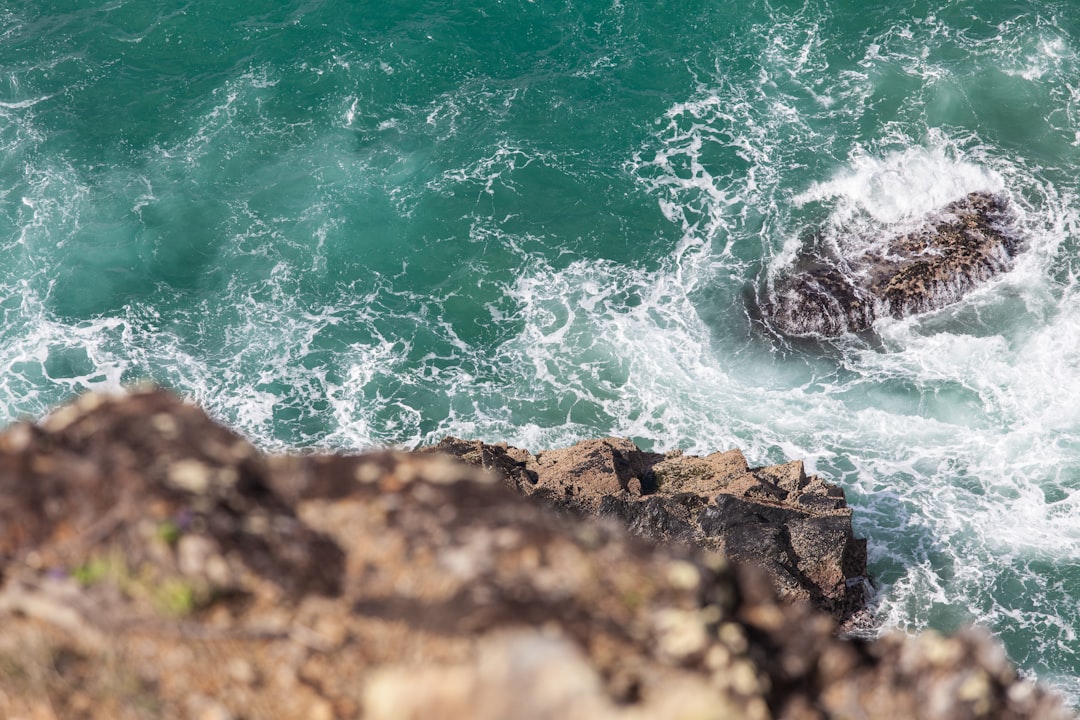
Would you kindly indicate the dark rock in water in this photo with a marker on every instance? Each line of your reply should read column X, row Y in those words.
column 155, row 565
column 968, row 243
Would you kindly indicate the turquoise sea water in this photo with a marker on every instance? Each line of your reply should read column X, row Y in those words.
column 352, row 224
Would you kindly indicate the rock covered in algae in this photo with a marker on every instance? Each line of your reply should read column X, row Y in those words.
column 961, row 247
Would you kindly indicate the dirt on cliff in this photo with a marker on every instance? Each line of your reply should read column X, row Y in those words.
column 154, row 565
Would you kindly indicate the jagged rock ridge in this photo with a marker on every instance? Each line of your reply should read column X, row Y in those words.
column 797, row 528
column 154, row 565
column 967, row 243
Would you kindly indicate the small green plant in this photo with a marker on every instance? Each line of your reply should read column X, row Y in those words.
column 169, row 532
column 174, row 596
column 94, row 570
column 632, row 599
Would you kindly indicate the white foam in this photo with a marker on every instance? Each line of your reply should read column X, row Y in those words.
column 901, row 186
column 23, row 104
column 494, row 169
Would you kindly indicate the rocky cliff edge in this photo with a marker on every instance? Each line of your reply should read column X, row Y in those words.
column 155, row 565
column 795, row 527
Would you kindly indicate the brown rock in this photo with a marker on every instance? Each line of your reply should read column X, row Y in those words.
column 700, row 475
column 585, row 473
column 796, row 528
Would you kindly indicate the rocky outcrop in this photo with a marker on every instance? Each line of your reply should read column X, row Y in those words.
column 155, row 565
column 797, row 528
column 828, row 294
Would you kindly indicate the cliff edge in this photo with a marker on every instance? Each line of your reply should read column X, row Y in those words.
column 797, row 528
column 155, row 565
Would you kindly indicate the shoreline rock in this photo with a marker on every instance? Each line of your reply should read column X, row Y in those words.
column 794, row 527
column 967, row 243
column 154, row 564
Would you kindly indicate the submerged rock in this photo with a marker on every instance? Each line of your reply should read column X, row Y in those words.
column 153, row 564
column 967, row 243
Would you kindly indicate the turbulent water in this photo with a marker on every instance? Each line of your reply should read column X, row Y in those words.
column 347, row 224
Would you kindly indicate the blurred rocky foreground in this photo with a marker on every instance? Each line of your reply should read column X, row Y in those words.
column 155, row 565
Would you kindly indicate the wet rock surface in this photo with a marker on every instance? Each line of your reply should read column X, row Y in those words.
column 964, row 245
column 154, row 565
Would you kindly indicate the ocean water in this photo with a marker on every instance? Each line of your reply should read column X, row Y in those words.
column 354, row 224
